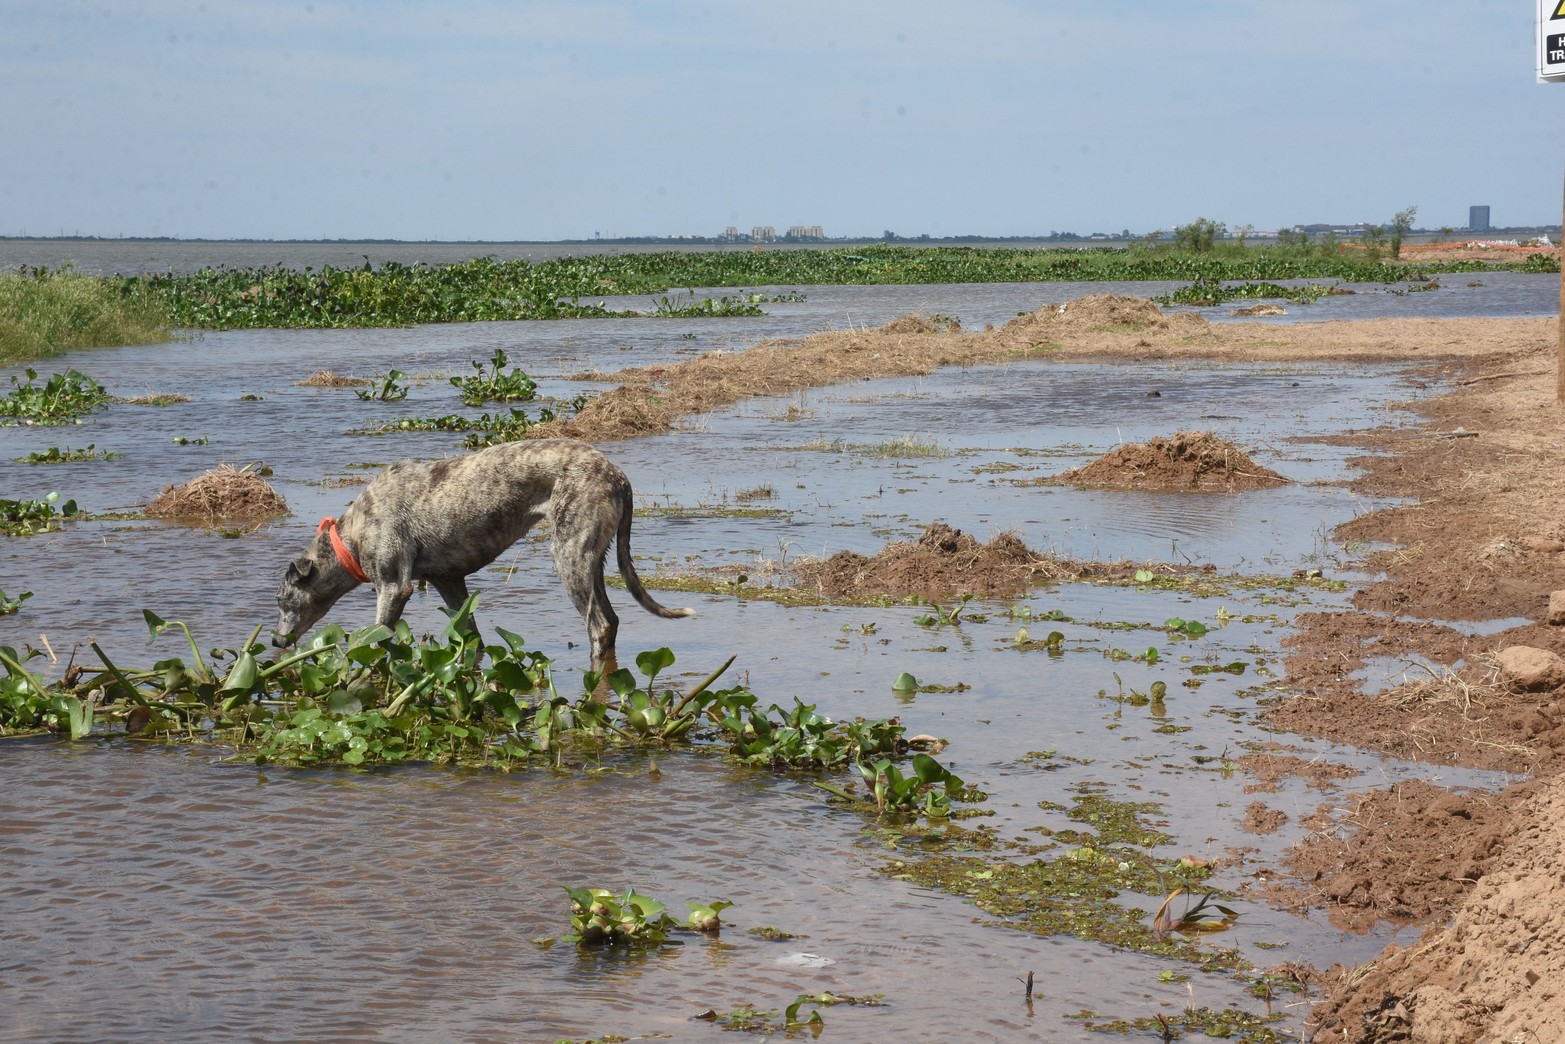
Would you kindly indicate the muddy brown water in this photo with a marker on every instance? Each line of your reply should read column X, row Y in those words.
column 170, row 894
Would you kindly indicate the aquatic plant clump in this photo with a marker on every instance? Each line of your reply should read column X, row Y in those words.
column 599, row 917
column 1210, row 291
column 27, row 517
column 57, row 455
column 389, row 389
column 225, row 492
column 377, row 696
column 59, row 400
column 494, row 384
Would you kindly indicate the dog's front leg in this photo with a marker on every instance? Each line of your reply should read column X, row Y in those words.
column 391, row 600
column 453, row 591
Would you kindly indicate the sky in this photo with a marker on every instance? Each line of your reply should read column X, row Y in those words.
column 548, row 119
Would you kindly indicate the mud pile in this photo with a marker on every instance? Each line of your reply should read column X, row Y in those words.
column 1186, row 460
column 224, row 492
column 943, row 562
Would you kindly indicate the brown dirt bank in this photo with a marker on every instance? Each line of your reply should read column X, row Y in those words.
column 653, row 399
column 1481, row 537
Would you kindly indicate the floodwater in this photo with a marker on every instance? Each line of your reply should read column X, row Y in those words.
column 158, row 894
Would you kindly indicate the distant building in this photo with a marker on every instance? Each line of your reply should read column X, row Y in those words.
column 812, row 232
column 763, row 234
column 1340, row 231
column 730, row 235
column 1478, row 219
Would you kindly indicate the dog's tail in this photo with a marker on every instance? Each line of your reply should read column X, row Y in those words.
column 627, row 568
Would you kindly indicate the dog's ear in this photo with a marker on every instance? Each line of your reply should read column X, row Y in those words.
column 300, row 570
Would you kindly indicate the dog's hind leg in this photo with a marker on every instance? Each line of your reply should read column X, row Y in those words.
column 578, row 559
column 591, row 598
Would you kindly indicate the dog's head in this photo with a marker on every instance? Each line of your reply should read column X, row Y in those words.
column 308, row 590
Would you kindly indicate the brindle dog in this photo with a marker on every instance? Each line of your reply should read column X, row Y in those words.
column 443, row 520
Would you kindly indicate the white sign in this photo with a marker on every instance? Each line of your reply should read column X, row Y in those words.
column 1551, row 41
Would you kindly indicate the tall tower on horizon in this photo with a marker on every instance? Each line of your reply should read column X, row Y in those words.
column 1478, row 219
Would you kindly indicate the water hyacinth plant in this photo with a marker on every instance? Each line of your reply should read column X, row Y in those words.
column 57, row 455
column 599, row 917
column 378, row 696
column 27, row 517
column 482, row 289
column 61, row 399
column 494, row 384
column 389, row 388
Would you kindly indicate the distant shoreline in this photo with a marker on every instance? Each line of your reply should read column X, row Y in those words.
column 1061, row 238
column 603, row 240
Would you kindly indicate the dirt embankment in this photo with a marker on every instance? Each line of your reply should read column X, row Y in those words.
column 1482, row 538
column 648, row 400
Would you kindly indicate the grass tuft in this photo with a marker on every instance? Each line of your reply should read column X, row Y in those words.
column 44, row 313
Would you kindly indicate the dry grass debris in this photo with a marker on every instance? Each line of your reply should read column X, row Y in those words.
column 328, row 379
column 225, row 492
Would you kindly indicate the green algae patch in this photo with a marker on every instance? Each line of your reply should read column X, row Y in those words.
column 1222, row 1024
column 1075, row 883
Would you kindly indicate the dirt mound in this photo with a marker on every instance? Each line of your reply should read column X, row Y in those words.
column 1187, row 460
column 942, row 563
column 225, row 492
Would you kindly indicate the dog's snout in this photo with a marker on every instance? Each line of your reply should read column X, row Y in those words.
column 281, row 641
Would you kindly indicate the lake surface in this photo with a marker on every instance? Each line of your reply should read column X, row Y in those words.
column 158, row 893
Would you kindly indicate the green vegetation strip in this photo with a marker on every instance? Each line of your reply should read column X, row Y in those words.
column 43, row 312
column 396, row 294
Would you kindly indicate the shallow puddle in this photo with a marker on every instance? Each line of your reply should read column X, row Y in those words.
column 161, row 894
